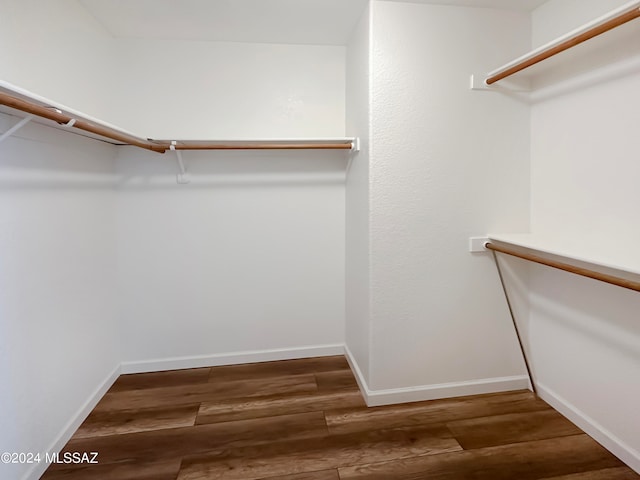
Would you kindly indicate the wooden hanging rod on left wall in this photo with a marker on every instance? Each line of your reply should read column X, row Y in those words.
column 265, row 145
column 56, row 115
column 161, row 146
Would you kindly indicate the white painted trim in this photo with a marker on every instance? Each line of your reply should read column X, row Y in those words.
column 70, row 428
column 447, row 390
column 607, row 439
column 375, row 398
column 213, row 360
column 360, row 380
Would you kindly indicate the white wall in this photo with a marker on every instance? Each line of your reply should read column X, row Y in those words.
column 58, row 331
column 584, row 335
column 248, row 257
column 58, row 50
column 446, row 162
column 558, row 17
column 245, row 263
column 209, row 90
column 357, row 198
column 172, row 89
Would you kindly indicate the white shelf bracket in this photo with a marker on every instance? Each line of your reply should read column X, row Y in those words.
column 477, row 244
column 15, row 128
column 478, row 82
column 355, row 148
column 183, row 176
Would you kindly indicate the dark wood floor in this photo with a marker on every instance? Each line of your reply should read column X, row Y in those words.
column 305, row 420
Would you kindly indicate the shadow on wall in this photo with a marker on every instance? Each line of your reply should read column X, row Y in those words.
column 605, row 58
column 588, row 307
column 59, row 161
column 140, row 170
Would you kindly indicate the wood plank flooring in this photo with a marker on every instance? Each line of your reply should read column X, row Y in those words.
column 306, row 420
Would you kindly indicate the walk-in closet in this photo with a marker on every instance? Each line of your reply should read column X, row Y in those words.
column 319, row 239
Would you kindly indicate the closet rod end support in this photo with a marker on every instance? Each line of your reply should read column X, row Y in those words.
column 478, row 244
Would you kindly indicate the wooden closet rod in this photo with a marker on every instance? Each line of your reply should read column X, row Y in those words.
column 264, row 146
column 56, row 115
column 588, row 34
column 62, row 118
column 585, row 272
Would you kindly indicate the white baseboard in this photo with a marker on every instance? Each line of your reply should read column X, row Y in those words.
column 600, row 434
column 375, row 398
column 70, row 428
column 360, row 380
column 255, row 356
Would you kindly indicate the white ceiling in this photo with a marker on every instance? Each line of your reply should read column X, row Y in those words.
column 315, row 22
column 523, row 5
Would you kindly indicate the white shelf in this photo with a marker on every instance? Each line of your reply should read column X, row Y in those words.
column 539, row 56
column 622, row 256
column 22, row 103
column 10, row 89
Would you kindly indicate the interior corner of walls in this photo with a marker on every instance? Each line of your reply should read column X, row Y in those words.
column 357, row 372
column 74, row 423
column 607, row 439
column 421, row 393
column 231, row 358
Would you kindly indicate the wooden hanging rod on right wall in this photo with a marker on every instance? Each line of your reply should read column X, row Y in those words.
column 584, row 272
column 619, row 17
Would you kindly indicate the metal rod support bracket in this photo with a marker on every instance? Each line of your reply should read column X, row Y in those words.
column 15, row 128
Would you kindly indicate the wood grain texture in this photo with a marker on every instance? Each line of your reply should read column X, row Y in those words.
column 620, row 473
column 202, row 439
column 350, row 419
column 512, row 428
column 336, row 381
column 212, row 412
column 323, row 475
column 207, row 392
column 160, row 470
column 170, row 378
column 104, row 423
column 302, row 366
column 521, row 461
column 318, row 453
column 306, row 420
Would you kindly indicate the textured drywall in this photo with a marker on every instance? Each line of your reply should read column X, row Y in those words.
column 358, row 111
column 446, row 163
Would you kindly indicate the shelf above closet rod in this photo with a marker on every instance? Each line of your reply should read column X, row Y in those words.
column 65, row 118
column 624, row 14
column 584, row 272
column 56, row 115
column 311, row 144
